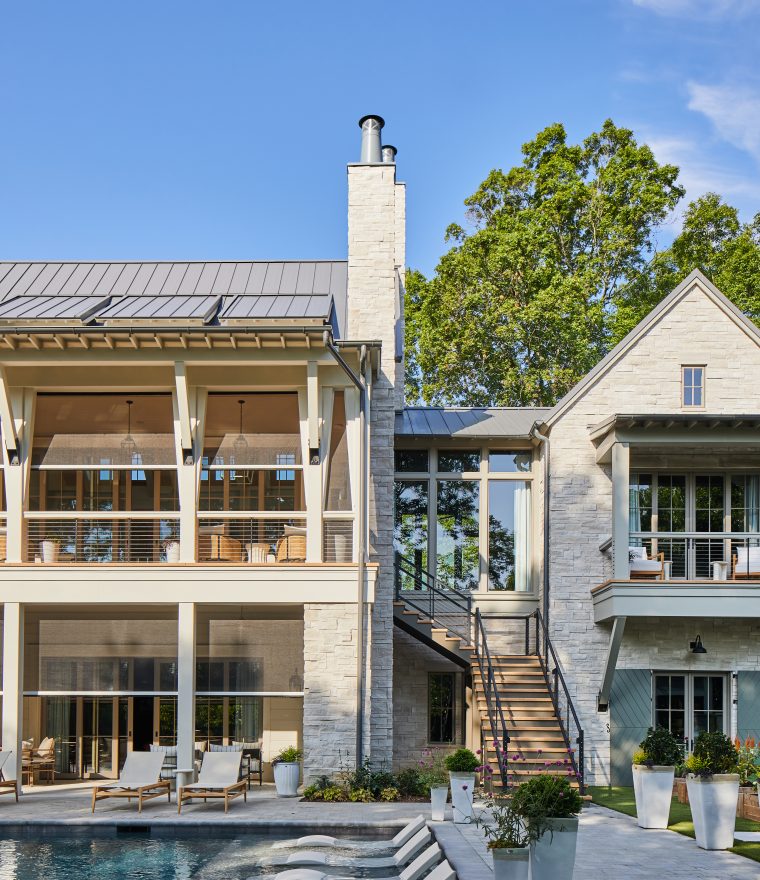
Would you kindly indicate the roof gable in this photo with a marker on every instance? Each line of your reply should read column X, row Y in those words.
column 696, row 280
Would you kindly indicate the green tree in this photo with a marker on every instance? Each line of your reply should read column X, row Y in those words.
column 712, row 239
column 521, row 306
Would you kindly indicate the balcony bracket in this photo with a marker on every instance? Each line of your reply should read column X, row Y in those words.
column 6, row 418
column 613, row 650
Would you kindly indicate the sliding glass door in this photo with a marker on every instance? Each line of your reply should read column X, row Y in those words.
column 688, row 703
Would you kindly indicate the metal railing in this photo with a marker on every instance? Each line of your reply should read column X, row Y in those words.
column 419, row 590
column 564, row 709
column 234, row 538
column 499, row 731
column 693, row 555
column 338, row 539
column 95, row 539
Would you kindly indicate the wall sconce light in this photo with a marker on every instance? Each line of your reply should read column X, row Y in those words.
column 696, row 647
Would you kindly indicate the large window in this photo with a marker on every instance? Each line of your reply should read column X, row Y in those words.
column 441, row 702
column 464, row 516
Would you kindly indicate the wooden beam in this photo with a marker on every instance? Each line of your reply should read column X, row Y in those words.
column 183, row 405
column 6, row 414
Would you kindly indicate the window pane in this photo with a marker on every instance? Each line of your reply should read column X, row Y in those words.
column 441, row 707
column 450, row 462
column 508, row 535
column 640, row 502
column 458, row 557
column 410, row 534
column 510, row 462
column 412, row 460
column 338, row 472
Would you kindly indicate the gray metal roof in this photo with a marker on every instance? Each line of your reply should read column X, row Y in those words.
column 468, row 422
column 204, row 291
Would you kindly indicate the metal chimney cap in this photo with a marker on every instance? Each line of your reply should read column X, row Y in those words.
column 389, row 153
column 372, row 116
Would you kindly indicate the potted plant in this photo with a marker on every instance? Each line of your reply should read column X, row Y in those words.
column 549, row 807
column 654, row 768
column 171, row 546
column 713, row 785
column 435, row 778
column 50, row 545
column 461, row 765
column 508, row 840
column 287, row 769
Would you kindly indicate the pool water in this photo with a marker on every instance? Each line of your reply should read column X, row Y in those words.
column 142, row 857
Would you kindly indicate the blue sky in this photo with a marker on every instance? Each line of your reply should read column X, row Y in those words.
column 185, row 130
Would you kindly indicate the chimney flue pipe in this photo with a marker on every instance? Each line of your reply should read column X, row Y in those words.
column 371, row 127
column 389, row 154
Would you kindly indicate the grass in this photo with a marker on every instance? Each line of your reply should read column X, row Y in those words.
column 622, row 800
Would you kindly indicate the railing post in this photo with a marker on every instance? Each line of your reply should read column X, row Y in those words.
column 555, row 690
column 538, row 650
column 581, row 773
column 477, row 631
column 527, row 635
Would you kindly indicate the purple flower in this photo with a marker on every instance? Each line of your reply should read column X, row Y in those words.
column 464, row 788
column 562, row 794
column 479, row 752
column 570, row 751
column 496, row 743
column 540, row 752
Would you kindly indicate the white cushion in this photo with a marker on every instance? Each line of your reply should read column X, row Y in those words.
column 637, row 553
column 653, row 565
column 422, row 864
column 410, row 849
column 747, row 559
column 409, row 830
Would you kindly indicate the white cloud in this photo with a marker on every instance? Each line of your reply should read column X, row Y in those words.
column 703, row 9
column 734, row 112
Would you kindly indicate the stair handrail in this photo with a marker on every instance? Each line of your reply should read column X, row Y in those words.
column 425, row 591
column 493, row 701
column 555, row 681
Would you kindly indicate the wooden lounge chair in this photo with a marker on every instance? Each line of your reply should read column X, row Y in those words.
column 7, row 786
column 219, row 778
column 139, row 779
column 746, row 563
column 35, row 762
column 642, row 568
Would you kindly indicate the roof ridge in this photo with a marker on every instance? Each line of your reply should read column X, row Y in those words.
column 156, row 262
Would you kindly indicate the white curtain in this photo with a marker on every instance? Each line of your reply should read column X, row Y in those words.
column 522, row 537
column 752, row 503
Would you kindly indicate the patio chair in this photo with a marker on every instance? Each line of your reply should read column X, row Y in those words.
column 7, row 786
column 252, row 764
column 38, row 761
column 291, row 548
column 219, row 778
column 642, row 568
column 746, row 562
column 169, row 765
column 140, row 778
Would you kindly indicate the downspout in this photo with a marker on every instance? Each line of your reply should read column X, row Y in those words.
column 360, row 384
column 544, row 439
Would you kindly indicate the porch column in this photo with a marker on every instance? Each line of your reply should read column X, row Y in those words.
column 185, row 685
column 621, row 461
column 308, row 408
column 13, row 686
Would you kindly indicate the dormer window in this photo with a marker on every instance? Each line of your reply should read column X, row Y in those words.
column 693, row 387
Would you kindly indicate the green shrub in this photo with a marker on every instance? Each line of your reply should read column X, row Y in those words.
column 462, row 761
column 312, row 793
column 503, row 827
column 390, row 793
column 333, row 794
column 660, row 748
column 409, row 783
column 360, row 795
column 713, row 753
column 367, row 778
column 545, row 797
column 291, row 755
column 639, row 757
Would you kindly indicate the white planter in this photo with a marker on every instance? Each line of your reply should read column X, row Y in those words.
column 511, row 864
column 653, row 789
column 286, row 776
column 172, row 551
column 552, row 856
column 462, row 791
column 713, row 801
column 49, row 551
column 438, row 797
column 342, row 553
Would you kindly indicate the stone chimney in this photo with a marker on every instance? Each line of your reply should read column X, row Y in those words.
column 377, row 252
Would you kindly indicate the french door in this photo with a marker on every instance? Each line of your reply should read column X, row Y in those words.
column 687, row 703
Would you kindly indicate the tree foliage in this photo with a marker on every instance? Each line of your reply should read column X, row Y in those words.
column 557, row 265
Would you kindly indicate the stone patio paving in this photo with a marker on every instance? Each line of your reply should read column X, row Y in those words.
column 610, row 845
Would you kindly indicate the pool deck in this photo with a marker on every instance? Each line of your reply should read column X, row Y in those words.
column 610, row 845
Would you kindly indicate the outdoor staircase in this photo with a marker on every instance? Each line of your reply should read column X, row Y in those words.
column 527, row 720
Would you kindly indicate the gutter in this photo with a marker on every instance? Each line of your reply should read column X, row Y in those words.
column 360, row 382
column 544, row 440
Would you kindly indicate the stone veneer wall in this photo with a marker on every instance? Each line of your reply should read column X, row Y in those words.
column 412, row 661
column 329, row 705
column 646, row 379
column 376, row 221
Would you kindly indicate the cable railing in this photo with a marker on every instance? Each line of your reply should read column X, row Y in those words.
column 716, row 556
column 494, row 708
column 234, row 538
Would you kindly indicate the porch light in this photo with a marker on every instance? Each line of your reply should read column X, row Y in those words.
column 240, row 445
column 128, row 445
column 696, row 647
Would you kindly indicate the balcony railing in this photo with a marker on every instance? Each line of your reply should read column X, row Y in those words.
column 258, row 540
column 338, row 539
column 703, row 555
column 94, row 539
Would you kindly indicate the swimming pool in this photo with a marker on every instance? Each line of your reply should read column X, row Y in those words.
column 143, row 856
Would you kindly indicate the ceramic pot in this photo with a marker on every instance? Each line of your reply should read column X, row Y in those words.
column 713, row 801
column 438, row 797
column 172, row 551
column 286, row 776
column 511, row 864
column 552, row 856
column 49, row 551
column 653, row 790
column 462, row 791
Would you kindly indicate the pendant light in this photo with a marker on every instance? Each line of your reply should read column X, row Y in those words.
column 128, row 445
column 240, row 446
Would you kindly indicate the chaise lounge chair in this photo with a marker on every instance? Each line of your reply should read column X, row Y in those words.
column 7, row 786
column 406, row 834
column 746, row 563
column 219, row 778
column 140, row 778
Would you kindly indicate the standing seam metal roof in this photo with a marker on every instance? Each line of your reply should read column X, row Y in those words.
column 469, row 422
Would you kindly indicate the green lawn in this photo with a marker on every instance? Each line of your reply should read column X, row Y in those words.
column 621, row 799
